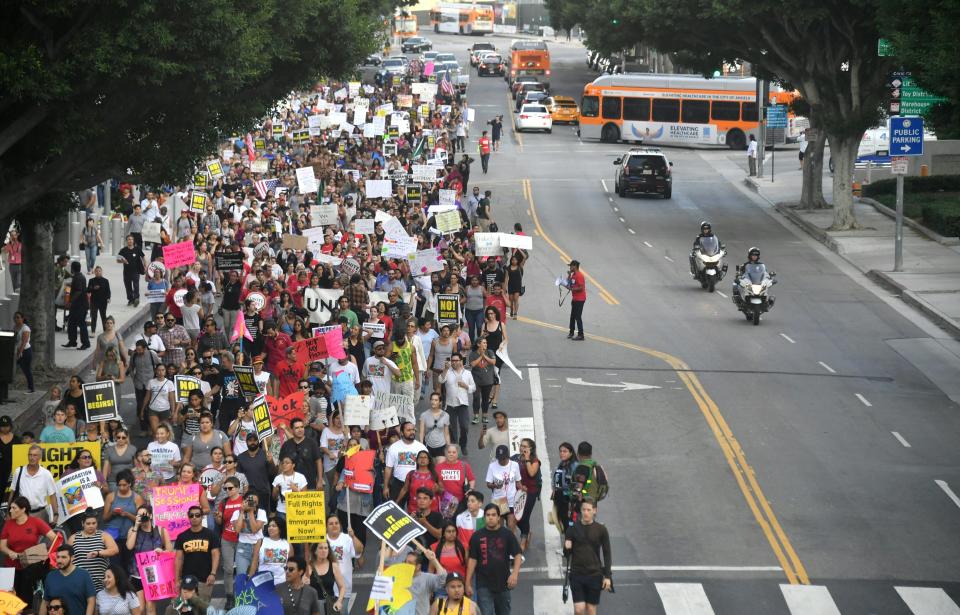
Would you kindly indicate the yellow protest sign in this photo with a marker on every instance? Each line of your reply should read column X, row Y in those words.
column 260, row 144
column 10, row 604
column 261, row 417
column 198, row 201
column 200, row 181
column 306, row 516
column 214, row 168
column 56, row 457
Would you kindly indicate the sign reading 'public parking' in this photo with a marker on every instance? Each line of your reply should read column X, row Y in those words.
column 906, row 136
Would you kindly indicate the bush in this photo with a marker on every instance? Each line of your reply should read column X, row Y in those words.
column 932, row 183
column 944, row 218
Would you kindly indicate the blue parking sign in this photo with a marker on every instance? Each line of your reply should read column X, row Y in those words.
column 906, row 136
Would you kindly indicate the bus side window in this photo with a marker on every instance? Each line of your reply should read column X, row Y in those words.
column 725, row 111
column 611, row 107
column 749, row 112
column 666, row 110
column 589, row 106
column 695, row 112
column 636, row 109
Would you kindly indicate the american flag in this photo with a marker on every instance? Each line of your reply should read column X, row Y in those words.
column 445, row 86
column 263, row 186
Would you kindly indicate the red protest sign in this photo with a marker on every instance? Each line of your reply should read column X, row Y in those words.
column 178, row 254
column 310, row 350
column 282, row 411
column 358, row 471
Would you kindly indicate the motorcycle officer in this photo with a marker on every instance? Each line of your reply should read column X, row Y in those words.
column 705, row 231
column 753, row 258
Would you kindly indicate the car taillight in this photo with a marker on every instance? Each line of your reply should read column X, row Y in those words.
column 548, row 72
column 524, row 116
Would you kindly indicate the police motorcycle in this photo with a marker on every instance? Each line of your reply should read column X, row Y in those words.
column 751, row 290
column 708, row 265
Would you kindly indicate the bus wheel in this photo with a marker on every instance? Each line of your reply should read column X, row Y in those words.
column 610, row 133
column 736, row 140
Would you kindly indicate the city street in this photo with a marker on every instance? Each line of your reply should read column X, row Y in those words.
column 811, row 450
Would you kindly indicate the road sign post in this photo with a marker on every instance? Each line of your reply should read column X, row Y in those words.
column 776, row 118
column 906, row 139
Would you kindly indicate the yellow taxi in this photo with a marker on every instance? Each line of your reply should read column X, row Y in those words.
column 563, row 109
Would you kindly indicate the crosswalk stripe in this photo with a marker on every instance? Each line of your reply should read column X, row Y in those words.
column 928, row 601
column 684, row 599
column 548, row 600
column 809, row 600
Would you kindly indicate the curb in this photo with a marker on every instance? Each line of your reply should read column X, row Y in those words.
column 750, row 183
column 913, row 299
column 933, row 235
column 30, row 417
column 813, row 230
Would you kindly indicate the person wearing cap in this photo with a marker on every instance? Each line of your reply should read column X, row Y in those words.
column 503, row 477
column 152, row 339
column 578, row 288
column 261, row 377
column 377, row 369
column 188, row 600
column 455, row 603
column 288, row 374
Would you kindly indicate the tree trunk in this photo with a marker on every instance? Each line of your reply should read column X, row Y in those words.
column 843, row 148
column 37, row 290
column 811, row 195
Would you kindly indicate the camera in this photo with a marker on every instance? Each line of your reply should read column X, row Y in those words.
column 250, row 501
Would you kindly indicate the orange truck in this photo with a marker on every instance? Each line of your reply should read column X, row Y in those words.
column 530, row 58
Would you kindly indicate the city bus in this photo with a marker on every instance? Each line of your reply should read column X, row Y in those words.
column 529, row 58
column 458, row 18
column 404, row 24
column 678, row 109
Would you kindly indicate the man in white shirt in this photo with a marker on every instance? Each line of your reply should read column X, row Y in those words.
column 150, row 336
column 503, row 477
column 150, row 207
column 378, row 368
column 459, row 385
column 752, row 155
column 35, row 483
column 401, row 459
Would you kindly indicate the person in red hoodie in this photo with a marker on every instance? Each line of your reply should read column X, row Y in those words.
column 170, row 301
column 276, row 343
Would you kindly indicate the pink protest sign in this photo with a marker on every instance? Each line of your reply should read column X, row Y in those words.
column 157, row 574
column 177, row 254
column 170, row 505
column 428, row 69
column 334, row 341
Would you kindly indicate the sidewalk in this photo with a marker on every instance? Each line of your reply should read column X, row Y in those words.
column 930, row 280
column 24, row 407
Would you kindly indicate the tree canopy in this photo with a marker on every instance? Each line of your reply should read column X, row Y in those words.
column 93, row 89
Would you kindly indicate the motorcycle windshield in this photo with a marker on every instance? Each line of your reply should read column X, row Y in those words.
column 709, row 246
column 755, row 273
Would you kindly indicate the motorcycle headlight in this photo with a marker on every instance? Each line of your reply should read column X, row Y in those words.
column 756, row 289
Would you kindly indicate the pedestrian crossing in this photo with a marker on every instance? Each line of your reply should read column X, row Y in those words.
column 726, row 598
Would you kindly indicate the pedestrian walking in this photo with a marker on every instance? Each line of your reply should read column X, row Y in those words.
column 752, row 156
column 78, row 310
column 198, row 553
column 35, row 483
column 72, row 585
column 496, row 131
column 296, row 596
column 14, row 251
column 578, row 288
column 587, row 544
column 484, row 147
column 131, row 257
column 24, row 352
column 802, row 140
column 99, row 289
column 494, row 563
column 20, row 532
column 90, row 243
column 93, row 548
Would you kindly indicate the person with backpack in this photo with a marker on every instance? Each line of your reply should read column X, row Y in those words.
column 589, row 570
column 562, row 479
column 531, row 483
column 589, row 480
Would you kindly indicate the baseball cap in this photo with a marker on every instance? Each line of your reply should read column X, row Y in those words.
column 503, row 451
column 5, row 421
column 189, row 582
column 378, row 343
column 258, row 359
column 453, row 576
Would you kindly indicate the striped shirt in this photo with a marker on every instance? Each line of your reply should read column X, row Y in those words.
column 96, row 566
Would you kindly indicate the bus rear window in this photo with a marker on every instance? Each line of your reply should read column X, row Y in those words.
column 666, row 110
column 725, row 111
column 696, row 112
column 590, row 106
column 749, row 112
column 636, row 109
column 611, row 107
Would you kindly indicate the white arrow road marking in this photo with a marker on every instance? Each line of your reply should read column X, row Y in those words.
column 623, row 386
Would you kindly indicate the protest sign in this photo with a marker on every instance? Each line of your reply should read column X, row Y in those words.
column 401, row 600
column 100, row 400
column 399, row 248
column 393, row 525
column 337, row 118
column 310, row 350
column 284, row 410
column 382, row 418
column 448, row 197
column 519, row 428
column 157, row 574
column 170, row 506
column 414, row 193
column 261, row 417
column 319, row 331
column 424, row 173
column 364, row 226
column 260, row 144
column 356, row 410
column 150, row 232
column 334, row 341
column 178, row 296
column 10, row 604
column 471, row 114
column 154, row 267
column 228, row 261
column 257, row 299
column 246, row 381
column 185, row 384
column 314, row 237
column 424, row 262
column 377, row 329
column 320, row 303
column 198, row 201
column 509, row 240
column 306, row 180
column 379, row 188
column 379, row 125
column 306, row 516
column 55, row 457
column 448, row 221
column 324, row 214
column 389, row 149
column 294, row 242
column 369, row 131
column 354, row 87
column 382, row 588
column 179, row 254
column 261, row 165
column 487, row 244
column 448, row 309
column 358, row 470
column 381, row 216
column 301, row 136
column 78, row 492
column 403, row 404
column 405, row 101
column 215, row 169
column 211, row 476
column 319, row 122
column 424, row 91
column 349, row 267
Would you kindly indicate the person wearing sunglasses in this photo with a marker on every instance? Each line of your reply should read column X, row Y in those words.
column 198, row 553
column 296, row 596
column 231, row 503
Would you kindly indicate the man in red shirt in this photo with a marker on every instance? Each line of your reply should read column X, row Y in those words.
column 276, row 343
column 578, row 287
column 289, row 373
column 228, row 536
column 484, row 151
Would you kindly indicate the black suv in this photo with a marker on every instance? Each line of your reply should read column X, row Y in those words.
column 416, row 44
column 645, row 170
column 491, row 64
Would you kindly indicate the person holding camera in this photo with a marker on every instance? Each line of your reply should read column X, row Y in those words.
column 141, row 538
column 587, row 545
column 248, row 523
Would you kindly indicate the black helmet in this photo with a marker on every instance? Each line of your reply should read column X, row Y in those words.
column 754, row 251
column 705, row 225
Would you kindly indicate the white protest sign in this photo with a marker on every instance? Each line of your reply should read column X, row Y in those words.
column 150, row 232
column 320, row 303
column 424, row 262
column 78, row 492
column 322, row 215
column 386, row 109
column 399, row 248
column 328, row 259
column 471, row 114
column 520, row 428
column 260, row 166
column 382, row 418
column 314, row 237
column 356, row 410
column 402, row 403
column 403, row 126
column 354, row 87
column 509, row 240
column 382, row 589
column 379, row 188
column 448, row 221
column 379, row 126
column 381, row 216
column 377, row 329
column 364, row 226
column 340, row 94
column 448, row 197
column 368, row 131
column 393, row 229
column 487, row 244
column 424, row 173
column 306, row 180
column 318, row 121
column 424, row 90
column 337, row 118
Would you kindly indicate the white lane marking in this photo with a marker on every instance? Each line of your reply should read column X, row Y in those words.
column 946, row 489
column 864, row 400
column 901, row 439
column 610, row 199
column 928, row 601
column 684, row 599
column 554, row 386
column 603, row 182
column 611, row 373
column 632, row 232
column 721, row 293
column 616, row 209
column 622, row 220
column 827, row 367
column 809, row 600
column 668, row 258
column 548, row 600
column 551, row 538
column 648, row 244
column 787, row 337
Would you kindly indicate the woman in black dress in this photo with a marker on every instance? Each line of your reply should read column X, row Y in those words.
column 514, row 284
